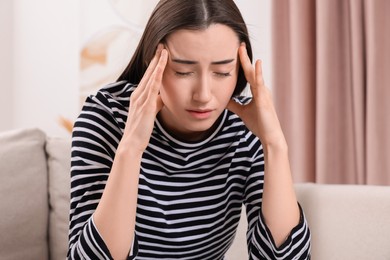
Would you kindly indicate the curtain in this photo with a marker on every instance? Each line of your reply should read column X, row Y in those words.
column 331, row 84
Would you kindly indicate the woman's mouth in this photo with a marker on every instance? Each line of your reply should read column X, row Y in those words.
column 200, row 114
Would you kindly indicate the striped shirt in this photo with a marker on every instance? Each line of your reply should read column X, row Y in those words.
column 190, row 194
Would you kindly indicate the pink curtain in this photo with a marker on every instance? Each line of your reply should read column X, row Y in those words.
column 331, row 86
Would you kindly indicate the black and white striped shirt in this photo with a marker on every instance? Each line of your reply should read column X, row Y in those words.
column 190, row 193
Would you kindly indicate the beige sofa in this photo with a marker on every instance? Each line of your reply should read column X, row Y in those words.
column 347, row 222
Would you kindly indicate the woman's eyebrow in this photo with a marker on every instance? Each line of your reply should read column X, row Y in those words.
column 222, row 62
column 190, row 62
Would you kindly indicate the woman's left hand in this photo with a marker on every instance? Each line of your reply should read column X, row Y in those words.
column 279, row 204
column 259, row 114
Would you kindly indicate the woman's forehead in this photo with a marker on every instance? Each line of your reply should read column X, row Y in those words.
column 218, row 42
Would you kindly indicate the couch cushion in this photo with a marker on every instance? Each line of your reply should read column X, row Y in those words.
column 58, row 153
column 347, row 221
column 23, row 191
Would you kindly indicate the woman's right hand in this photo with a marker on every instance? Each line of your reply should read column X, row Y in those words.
column 145, row 103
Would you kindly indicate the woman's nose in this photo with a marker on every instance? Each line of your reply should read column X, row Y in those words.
column 202, row 91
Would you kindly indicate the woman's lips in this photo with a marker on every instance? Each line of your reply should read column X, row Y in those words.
column 200, row 114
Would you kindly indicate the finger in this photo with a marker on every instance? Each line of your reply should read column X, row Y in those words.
column 151, row 89
column 146, row 77
column 150, row 69
column 155, row 81
column 149, row 101
column 258, row 81
column 259, row 73
column 246, row 64
column 234, row 107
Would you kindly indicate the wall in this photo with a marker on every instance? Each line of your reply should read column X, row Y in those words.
column 257, row 15
column 6, row 54
column 45, row 63
column 40, row 57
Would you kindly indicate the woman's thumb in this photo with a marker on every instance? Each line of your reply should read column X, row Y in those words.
column 234, row 107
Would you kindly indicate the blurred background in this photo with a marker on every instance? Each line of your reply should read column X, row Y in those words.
column 327, row 63
column 53, row 53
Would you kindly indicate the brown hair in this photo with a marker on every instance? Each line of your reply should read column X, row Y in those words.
column 172, row 15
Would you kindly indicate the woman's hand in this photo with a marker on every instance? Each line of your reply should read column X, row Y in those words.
column 259, row 114
column 145, row 103
column 115, row 215
column 279, row 204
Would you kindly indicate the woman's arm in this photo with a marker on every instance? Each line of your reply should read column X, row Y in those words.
column 279, row 204
column 116, row 212
column 115, row 215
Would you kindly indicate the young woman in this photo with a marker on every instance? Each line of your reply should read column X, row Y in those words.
column 163, row 159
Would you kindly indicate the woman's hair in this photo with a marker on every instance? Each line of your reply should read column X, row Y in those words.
column 172, row 15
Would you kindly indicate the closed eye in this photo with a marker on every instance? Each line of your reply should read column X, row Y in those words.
column 221, row 74
column 183, row 74
column 218, row 74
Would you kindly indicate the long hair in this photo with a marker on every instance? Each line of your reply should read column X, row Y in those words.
column 172, row 15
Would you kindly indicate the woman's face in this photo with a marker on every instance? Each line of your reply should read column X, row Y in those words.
column 199, row 79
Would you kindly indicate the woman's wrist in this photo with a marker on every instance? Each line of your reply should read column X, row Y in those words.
column 127, row 149
column 275, row 144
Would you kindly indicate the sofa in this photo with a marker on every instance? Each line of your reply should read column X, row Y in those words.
column 346, row 221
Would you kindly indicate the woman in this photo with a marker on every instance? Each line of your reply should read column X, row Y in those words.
column 163, row 159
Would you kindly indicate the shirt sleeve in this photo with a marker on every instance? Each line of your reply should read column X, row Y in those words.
column 260, row 242
column 96, row 135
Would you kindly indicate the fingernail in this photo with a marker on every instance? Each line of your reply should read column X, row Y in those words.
column 159, row 48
